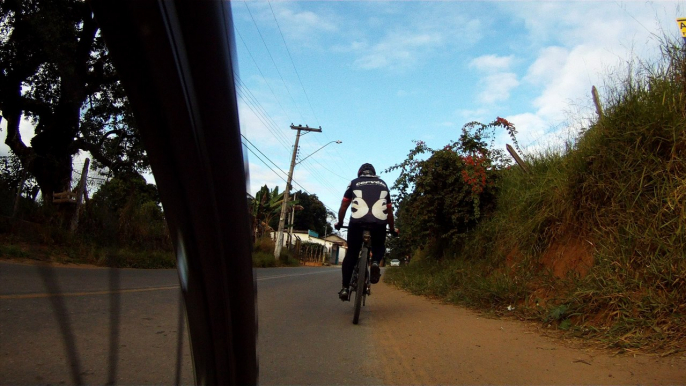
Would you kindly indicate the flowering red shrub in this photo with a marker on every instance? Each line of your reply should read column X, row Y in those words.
column 443, row 193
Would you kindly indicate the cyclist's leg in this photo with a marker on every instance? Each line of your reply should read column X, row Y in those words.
column 378, row 249
column 354, row 245
column 378, row 244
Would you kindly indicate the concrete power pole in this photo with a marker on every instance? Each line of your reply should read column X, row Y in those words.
column 284, row 204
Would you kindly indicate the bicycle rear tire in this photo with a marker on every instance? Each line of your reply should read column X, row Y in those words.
column 360, row 285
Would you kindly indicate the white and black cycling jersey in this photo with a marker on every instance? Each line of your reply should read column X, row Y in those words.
column 370, row 200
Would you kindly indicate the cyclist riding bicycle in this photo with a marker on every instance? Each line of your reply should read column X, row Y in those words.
column 371, row 209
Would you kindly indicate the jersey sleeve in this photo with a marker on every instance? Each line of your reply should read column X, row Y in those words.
column 348, row 195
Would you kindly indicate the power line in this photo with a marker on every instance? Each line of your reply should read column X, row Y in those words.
column 256, row 148
column 262, row 74
column 335, row 174
column 265, row 80
column 273, row 61
column 293, row 63
column 265, row 120
column 281, row 170
column 272, row 162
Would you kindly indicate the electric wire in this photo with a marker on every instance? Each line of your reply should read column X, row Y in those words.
column 293, row 181
column 256, row 101
column 293, row 63
column 273, row 61
column 307, row 97
column 277, row 132
column 255, row 106
column 264, row 120
column 262, row 74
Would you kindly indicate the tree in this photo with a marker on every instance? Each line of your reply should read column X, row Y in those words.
column 314, row 214
column 56, row 72
column 443, row 196
column 264, row 208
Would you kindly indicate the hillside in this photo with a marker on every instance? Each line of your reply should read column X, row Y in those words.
column 591, row 241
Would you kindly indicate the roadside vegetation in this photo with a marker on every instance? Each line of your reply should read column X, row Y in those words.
column 122, row 225
column 591, row 241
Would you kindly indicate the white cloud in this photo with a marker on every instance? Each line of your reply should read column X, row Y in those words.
column 497, row 87
column 496, row 82
column 567, row 77
column 401, row 41
column 530, row 127
column 397, row 50
column 261, row 175
column 491, row 63
column 303, row 24
column 473, row 115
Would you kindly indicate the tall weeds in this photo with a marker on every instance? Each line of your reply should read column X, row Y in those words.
column 619, row 190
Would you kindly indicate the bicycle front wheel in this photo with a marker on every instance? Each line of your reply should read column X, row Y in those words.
column 360, row 286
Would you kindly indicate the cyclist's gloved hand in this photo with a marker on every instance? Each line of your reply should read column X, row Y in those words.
column 338, row 226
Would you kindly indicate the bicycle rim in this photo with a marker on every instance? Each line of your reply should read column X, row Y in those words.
column 361, row 277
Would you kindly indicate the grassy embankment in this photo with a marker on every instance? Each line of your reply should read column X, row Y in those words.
column 593, row 240
column 263, row 255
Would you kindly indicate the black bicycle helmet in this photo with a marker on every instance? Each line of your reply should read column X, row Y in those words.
column 366, row 170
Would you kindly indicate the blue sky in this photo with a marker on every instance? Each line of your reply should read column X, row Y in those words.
column 378, row 75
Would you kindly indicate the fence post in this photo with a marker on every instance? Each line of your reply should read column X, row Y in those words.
column 79, row 196
column 596, row 101
column 18, row 197
column 516, row 157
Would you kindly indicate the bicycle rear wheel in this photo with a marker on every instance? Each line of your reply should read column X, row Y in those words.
column 360, row 285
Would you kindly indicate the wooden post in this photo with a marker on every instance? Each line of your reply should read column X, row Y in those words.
column 79, row 196
column 596, row 101
column 18, row 197
column 516, row 157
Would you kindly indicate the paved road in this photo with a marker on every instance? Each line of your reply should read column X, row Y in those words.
column 306, row 334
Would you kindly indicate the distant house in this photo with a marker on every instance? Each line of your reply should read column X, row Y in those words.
column 339, row 248
column 334, row 246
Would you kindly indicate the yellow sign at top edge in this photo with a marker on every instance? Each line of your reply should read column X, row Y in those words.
column 682, row 25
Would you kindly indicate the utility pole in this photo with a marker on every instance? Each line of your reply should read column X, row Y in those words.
column 291, row 219
column 284, row 204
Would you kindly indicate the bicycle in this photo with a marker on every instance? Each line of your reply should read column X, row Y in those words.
column 359, row 283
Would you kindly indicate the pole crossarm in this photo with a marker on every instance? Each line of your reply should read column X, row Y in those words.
column 306, row 128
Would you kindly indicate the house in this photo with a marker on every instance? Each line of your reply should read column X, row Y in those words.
column 338, row 249
column 334, row 247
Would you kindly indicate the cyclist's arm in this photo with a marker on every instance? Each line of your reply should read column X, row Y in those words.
column 344, row 207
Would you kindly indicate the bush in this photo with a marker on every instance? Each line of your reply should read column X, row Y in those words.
column 614, row 198
column 443, row 197
column 263, row 259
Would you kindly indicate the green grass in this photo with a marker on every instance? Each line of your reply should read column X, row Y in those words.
column 618, row 191
column 13, row 251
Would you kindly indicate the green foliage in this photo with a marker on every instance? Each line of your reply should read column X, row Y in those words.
column 58, row 74
column 263, row 255
column 263, row 260
column 126, row 212
column 264, row 208
column 619, row 191
column 12, row 251
column 310, row 212
column 443, row 196
column 313, row 214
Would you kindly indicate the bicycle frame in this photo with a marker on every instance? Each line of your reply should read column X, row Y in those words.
column 360, row 279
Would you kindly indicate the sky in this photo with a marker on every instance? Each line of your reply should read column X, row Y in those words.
column 378, row 75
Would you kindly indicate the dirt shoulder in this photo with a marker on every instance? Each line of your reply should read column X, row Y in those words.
column 420, row 341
